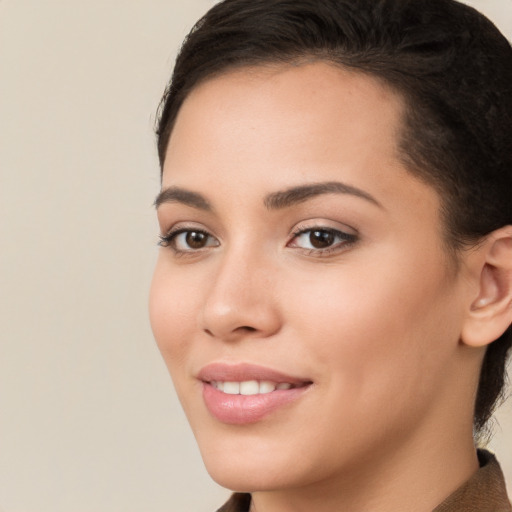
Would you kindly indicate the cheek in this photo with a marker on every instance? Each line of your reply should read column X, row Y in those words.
column 379, row 346
column 173, row 303
column 378, row 328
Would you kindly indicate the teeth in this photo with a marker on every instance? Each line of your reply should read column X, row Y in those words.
column 267, row 386
column 231, row 388
column 250, row 387
column 217, row 385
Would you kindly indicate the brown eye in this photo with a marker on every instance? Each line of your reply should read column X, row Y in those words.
column 188, row 240
column 321, row 239
column 196, row 239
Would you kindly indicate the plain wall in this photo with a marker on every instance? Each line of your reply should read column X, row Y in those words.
column 88, row 417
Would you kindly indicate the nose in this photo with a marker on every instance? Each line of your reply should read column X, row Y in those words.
column 241, row 301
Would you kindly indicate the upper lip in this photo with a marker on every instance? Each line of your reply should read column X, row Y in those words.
column 241, row 372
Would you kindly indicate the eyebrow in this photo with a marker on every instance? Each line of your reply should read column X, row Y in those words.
column 183, row 196
column 295, row 195
column 274, row 201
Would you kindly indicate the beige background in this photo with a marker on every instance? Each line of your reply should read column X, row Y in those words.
column 88, row 418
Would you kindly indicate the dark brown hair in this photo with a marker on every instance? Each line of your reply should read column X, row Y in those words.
column 450, row 64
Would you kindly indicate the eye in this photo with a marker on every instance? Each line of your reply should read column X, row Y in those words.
column 321, row 239
column 188, row 240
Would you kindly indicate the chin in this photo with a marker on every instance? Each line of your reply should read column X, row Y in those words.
column 247, row 477
column 248, row 465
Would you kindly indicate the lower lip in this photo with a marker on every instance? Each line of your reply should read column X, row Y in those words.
column 245, row 409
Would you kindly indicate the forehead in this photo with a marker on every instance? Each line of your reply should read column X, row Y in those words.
column 269, row 108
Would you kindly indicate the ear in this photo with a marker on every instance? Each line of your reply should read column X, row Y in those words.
column 490, row 312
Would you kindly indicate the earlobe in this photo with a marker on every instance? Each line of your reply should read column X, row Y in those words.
column 490, row 313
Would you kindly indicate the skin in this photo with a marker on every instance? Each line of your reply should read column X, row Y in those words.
column 375, row 324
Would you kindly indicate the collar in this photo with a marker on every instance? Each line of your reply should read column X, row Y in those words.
column 485, row 491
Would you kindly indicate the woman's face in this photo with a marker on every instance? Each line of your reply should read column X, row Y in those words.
column 300, row 255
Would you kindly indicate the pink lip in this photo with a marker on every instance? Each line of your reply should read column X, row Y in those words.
column 240, row 409
column 245, row 371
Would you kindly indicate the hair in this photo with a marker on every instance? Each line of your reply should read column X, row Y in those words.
column 450, row 65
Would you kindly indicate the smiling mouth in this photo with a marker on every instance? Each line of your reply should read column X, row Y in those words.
column 245, row 393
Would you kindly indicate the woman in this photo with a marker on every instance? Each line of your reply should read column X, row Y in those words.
column 333, row 292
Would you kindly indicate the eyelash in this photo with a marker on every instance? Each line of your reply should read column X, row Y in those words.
column 346, row 240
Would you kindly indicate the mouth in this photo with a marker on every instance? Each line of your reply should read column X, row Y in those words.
column 243, row 394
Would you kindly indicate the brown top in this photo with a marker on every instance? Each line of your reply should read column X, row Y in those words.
column 485, row 491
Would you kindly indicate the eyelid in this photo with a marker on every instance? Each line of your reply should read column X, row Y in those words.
column 321, row 224
column 184, row 226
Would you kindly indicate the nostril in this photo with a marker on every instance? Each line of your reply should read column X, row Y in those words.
column 247, row 328
column 235, row 333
